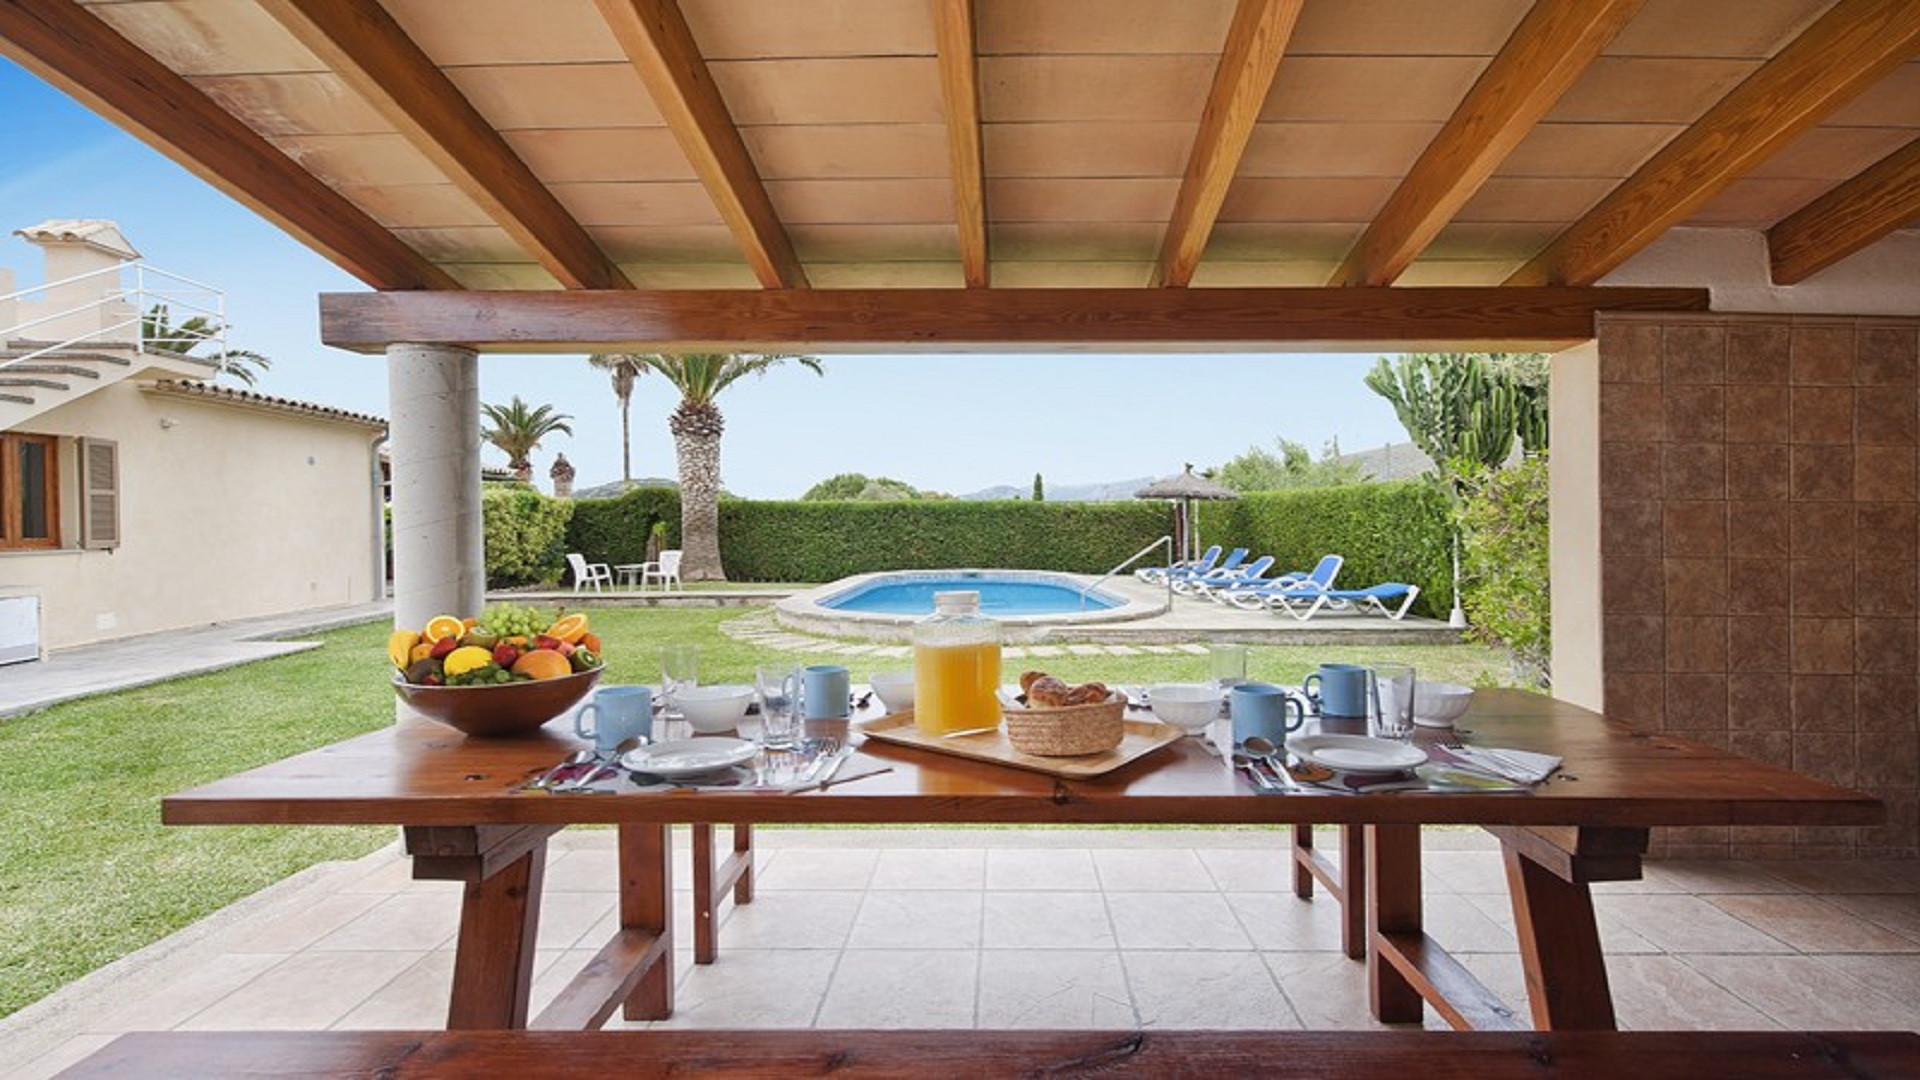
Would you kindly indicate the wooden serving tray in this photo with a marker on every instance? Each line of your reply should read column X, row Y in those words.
column 1141, row 737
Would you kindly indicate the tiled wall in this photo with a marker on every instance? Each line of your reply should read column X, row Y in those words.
column 1760, row 554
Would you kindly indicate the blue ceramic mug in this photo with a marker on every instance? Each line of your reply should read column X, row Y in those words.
column 1342, row 690
column 619, row 712
column 1263, row 709
column 826, row 692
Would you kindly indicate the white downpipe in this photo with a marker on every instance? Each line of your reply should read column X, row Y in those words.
column 439, row 556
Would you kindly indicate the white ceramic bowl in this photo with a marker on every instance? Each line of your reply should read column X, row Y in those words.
column 1191, row 706
column 1439, row 704
column 895, row 689
column 716, row 708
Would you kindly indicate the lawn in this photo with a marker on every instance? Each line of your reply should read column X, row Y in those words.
column 88, row 874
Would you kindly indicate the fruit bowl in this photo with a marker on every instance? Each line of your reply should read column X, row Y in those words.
column 512, row 708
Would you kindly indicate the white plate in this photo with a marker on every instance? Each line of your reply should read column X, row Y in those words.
column 1356, row 753
column 688, row 757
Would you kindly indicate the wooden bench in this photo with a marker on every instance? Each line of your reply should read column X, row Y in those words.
column 1433, row 1055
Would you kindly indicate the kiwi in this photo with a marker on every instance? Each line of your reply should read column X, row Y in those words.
column 421, row 670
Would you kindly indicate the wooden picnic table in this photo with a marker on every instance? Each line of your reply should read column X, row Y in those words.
column 466, row 817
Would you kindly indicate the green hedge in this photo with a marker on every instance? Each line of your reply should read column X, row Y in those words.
column 822, row 541
column 526, row 534
column 615, row 530
column 1386, row 532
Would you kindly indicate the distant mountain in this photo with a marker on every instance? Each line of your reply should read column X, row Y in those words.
column 614, row 490
column 1395, row 461
column 1111, row 491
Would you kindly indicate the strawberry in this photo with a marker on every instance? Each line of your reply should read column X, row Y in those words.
column 444, row 646
column 547, row 641
column 505, row 655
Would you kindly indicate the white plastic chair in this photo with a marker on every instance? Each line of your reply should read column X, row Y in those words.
column 667, row 569
column 586, row 573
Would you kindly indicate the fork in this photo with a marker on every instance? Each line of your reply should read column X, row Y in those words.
column 823, row 749
column 1506, row 764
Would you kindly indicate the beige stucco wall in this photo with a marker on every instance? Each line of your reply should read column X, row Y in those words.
column 227, row 512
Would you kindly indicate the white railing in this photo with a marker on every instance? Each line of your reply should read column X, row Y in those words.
column 118, row 315
column 1165, row 541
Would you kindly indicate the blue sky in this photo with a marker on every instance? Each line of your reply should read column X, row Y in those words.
column 945, row 423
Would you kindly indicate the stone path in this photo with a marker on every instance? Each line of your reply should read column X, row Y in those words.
column 761, row 629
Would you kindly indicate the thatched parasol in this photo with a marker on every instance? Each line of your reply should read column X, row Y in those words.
column 1184, row 488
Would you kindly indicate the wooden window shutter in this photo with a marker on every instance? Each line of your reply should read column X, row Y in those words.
column 99, row 493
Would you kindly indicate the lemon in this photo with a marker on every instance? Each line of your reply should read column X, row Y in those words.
column 466, row 658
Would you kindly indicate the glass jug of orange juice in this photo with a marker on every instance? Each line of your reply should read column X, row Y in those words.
column 956, row 666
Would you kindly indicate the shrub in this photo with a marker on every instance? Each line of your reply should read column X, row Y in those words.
column 526, row 535
column 616, row 530
column 1385, row 532
column 1505, row 566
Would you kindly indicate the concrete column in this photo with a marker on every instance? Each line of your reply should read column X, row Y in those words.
column 439, row 554
column 1573, row 493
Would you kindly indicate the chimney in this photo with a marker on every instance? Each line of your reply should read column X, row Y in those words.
column 562, row 476
column 88, row 250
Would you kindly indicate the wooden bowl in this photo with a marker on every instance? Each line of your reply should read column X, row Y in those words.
column 505, row 709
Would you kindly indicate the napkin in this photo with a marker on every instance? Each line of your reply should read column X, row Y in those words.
column 1521, row 766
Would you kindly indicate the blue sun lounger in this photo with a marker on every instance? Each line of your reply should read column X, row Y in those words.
column 1208, row 584
column 1303, row 604
column 1154, row 575
column 1228, row 565
column 1260, row 594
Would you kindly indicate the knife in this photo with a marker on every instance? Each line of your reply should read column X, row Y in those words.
column 833, row 766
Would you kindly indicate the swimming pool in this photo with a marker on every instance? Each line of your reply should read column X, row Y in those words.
column 1028, row 603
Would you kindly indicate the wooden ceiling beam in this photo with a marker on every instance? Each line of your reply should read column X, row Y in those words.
column 953, row 24
column 1543, row 57
column 970, row 320
column 1853, row 215
column 368, row 50
column 661, row 48
column 61, row 42
column 1853, row 45
column 1256, row 41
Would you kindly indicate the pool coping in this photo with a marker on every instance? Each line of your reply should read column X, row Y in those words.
column 805, row 612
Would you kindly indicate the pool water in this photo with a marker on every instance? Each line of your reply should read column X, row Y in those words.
column 999, row 596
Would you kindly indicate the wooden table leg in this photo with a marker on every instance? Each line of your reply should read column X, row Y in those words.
column 503, row 868
column 1393, row 908
column 1303, row 861
column 646, row 905
column 743, row 851
column 712, row 881
column 1353, row 891
column 1559, row 947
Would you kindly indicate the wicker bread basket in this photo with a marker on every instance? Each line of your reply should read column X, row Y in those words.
column 1068, row 730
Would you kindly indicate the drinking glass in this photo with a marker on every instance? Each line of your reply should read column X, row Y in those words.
column 1228, row 664
column 779, row 690
column 679, row 669
column 1391, row 687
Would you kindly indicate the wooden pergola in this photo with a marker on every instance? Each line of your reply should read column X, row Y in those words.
column 952, row 175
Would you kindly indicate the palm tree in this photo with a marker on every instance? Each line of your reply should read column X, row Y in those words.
column 159, row 334
column 622, row 368
column 697, row 425
column 517, row 430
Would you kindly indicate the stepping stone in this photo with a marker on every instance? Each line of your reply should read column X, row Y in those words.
column 1195, row 650
column 1159, row 650
column 1122, row 650
column 895, row 651
column 1046, row 650
column 1087, row 650
column 854, row 650
column 1014, row 652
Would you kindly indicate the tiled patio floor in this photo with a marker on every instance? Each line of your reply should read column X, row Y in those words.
column 1017, row 928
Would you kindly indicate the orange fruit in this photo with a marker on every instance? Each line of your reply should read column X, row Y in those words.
column 590, row 642
column 542, row 664
column 469, row 623
column 570, row 628
column 400, row 645
column 444, row 626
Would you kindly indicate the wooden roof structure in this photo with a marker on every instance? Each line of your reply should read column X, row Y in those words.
column 974, row 173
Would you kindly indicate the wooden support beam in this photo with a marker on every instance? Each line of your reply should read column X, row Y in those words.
column 63, row 43
column 963, row 320
column 1255, row 43
column 953, row 27
column 1851, row 47
column 661, row 48
column 1860, row 211
column 371, row 53
column 1541, row 60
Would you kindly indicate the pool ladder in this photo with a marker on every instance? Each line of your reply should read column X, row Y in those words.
column 1165, row 541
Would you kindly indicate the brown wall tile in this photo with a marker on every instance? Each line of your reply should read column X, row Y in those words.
column 1694, row 353
column 1886, row 356
column 1694, row 528
column 1887, row 530
column 1822, row 646
column 1632, row 412
column 1897, row 836
column 1758, row 471
column 1886, row 646
column 1888, row 759
column 1630, row 527
column 1828, row 755
column 1696, row 586
column 1821, row 530
column 1629, row 470
column 1630, row 351
column 1696, row 703
column 1694, row 470
column 1886, row 587
column 1757, row 643
column 1758, row 414
column 1759, row 529
column 1884, row 416
column 1764, row 587
column 1821, row 472
column 1821, row 586
column 1823, row 703
column 1884, row 474
column 1697, row 643
column 1772, row 747
column 1822, row 355
column 1635, row 697
column 1821, row 414
column 1633, row 585
column 1886, row 702
column 1760, row 701
column 1696, row 413
column 1758, row 353
column 1633, row 643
